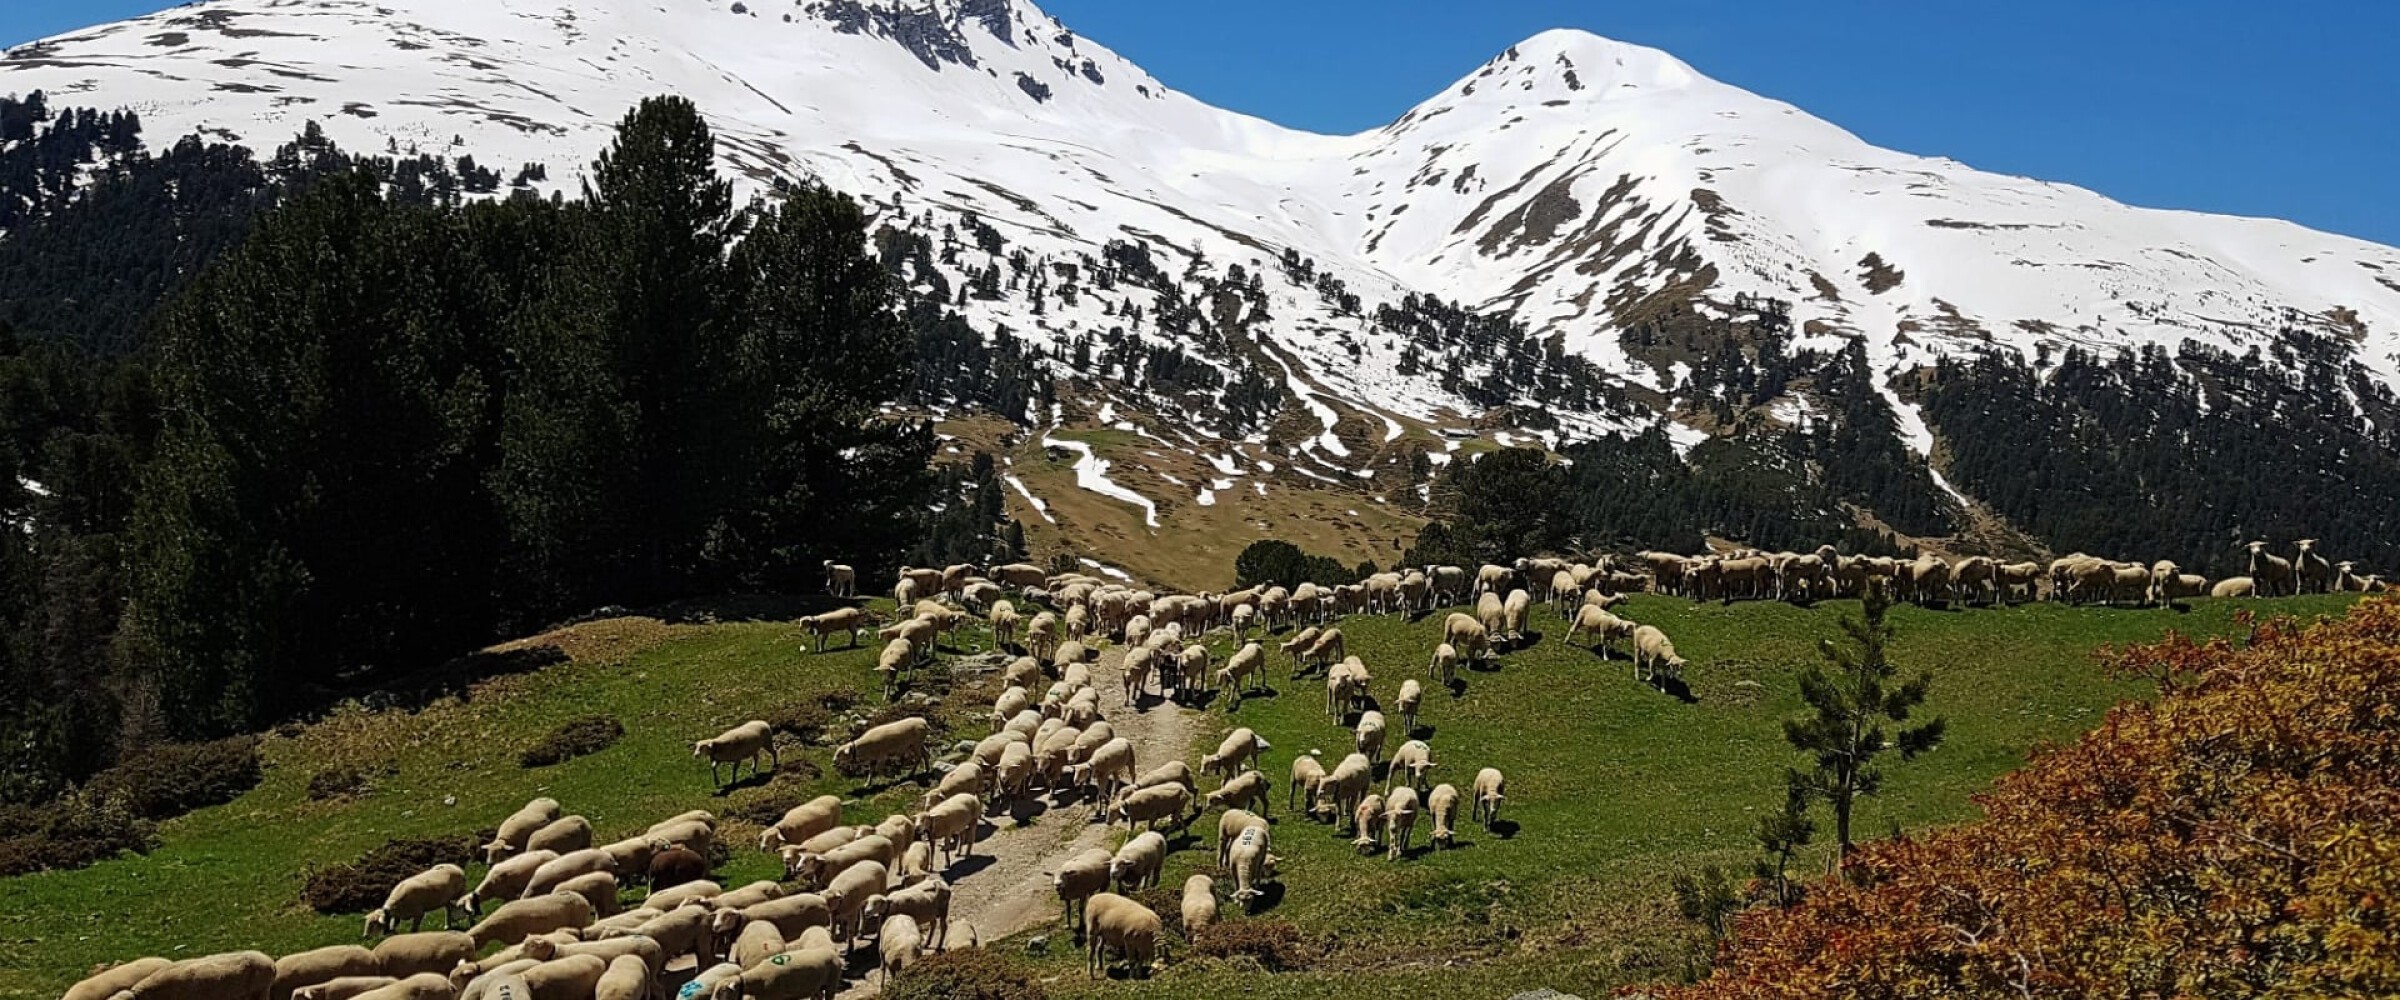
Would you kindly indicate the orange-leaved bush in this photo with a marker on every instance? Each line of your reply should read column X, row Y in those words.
column 2239, row 836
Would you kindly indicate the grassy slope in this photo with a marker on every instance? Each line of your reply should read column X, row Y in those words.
column 1616, row 786
column 229, row 877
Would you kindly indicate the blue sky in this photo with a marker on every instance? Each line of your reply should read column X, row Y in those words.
column 2288, row 109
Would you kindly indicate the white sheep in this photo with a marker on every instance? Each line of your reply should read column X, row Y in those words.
column 746, row 742
column 1654, row 655
column 1399, row 821
column 1253, row 864
column 1199, row 905
column 1442, row 805
column 1136, row 865
column 898, row 743
column 1411, row 698
column 519, row 827
column 1235, row 752
column 802, row 821
column 1113, row 924
column 441, row 887
column 1491, row 790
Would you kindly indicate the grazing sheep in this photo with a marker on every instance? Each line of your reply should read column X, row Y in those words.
column 951, row 825
column 1515, row 611
column 1413, row 762
column 761, row 891
column 548, row 877
column 1491, row 789
column 1307, row 774
column 1470, row 641
column 115, row 979
column 564, row 835
column 1079, row 879
column 631, row 854
column 1136, row 865
column 746, row 742
column 422, row 986
column 675, row 866
column 405, row 955
column 666, row 900
column 1604, row 628
column 1110, row 770
column 1236, row 752
column 792, row 914
column 968, row 777
column 1444, row 667
column 1328, row 647
column 1365, row 819
column 1342, row 687
column 757, row 941
column 1244, row 670
column 1113, row 924
column 822, row 869
column 1399, row 821
column 896, row 658
column 799, row 974
column 1169, row 803
column 2234, row 587
column 437, row 888
column 1369, row 735
column 1341, row 790
column 308, row 968
column 1297, row 646
column 1654, row 656
column 1230, row 827
column 519, row 919
column 571, row 978
column 1490, row 579
column 1199, row 906
column 682, row 930
column 897, row 943
column 802, row 821
column 347, row 987
column 927, row 902
column 847, row 894
column 1248, row 790
column 1411, row 697
column 643, row 949
column 696, row 830
column 238, row 975
column 1252, row 863
column 851, row 621
column 518, row 828
column 1442, row 805
column 626, row 978
column 893, row 744
column 597, row 888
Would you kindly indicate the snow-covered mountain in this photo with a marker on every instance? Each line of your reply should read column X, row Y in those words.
column 1583, row 186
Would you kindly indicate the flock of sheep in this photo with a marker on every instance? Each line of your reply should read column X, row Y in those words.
column 1974, row 580
column 563, row 933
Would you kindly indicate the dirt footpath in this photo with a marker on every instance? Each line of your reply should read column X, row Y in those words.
column 1006, row 887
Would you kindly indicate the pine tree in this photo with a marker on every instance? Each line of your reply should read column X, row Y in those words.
column 1851, row 704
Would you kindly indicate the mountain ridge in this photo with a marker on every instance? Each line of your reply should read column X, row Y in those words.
column 1580, row 237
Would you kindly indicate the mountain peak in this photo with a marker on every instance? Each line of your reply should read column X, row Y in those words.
column 1582, row 60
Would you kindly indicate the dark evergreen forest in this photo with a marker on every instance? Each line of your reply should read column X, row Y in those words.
column 275, row 429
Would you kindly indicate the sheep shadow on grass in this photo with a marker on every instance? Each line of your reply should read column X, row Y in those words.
column 1457, row 686
column 1421, row 733
column 1505, row 829
column 755, row 780
column 1267, row 899
column 1485, row 666
column 1674, row 687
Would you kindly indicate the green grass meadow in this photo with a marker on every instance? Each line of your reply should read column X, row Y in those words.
column 1613, row 787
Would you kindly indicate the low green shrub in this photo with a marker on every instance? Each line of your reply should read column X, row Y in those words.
column 362, row 884
column 72, row 831
column 966, row 974
column 169, row 779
